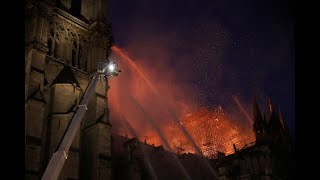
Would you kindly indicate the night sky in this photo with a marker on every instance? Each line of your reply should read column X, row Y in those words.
column 206, row 52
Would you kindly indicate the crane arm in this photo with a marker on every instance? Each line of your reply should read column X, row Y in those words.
column 58, row 159
column 52, row 172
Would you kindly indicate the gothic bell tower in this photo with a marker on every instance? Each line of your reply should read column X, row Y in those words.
column 64, row 41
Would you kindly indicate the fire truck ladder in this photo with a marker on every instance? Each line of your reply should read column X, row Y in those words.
column 58, row 158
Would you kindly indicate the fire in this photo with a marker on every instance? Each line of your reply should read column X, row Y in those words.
column 212, row 130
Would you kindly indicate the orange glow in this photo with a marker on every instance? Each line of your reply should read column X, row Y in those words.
column 116, row 50
column 213, row 130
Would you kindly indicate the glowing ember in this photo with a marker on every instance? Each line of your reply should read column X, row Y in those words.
column 212, row 131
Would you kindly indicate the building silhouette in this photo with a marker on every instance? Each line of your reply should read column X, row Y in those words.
column 271, row 156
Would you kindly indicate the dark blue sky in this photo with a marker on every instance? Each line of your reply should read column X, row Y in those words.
column 222, row 48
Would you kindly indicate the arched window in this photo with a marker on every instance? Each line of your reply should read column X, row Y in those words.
column 73, row 58
column 50, row 43
column 78, row 52
column 49, row 47
column 56, row 46
column 74, row 53
column 79, row 57
column 53, row 44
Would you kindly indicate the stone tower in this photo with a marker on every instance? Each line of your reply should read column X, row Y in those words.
column 64, row 41
column 269, row 129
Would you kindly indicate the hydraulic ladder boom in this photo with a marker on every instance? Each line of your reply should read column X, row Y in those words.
column 52, row 172
column 57, row 160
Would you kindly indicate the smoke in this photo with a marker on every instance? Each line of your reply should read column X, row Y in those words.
column 196, row 55
column 130, row 83
column 186, row 73
column 205, row 52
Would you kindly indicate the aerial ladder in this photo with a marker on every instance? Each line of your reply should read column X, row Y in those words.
column 54, row 167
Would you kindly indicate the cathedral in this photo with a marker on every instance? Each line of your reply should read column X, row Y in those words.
column 269, row 157
column 64, row 42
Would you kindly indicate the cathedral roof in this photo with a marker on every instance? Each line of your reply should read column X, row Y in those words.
column 66, row 76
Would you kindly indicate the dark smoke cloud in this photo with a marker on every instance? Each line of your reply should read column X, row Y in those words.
column 199, row 53
column 172, row 75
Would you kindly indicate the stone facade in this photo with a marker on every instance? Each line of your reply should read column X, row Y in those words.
column 271, row 156
column 64, row 41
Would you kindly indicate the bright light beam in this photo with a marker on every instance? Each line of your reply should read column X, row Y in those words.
column 245, row 113
column 118, row 51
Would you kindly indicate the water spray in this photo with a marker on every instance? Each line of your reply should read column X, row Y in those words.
column 160, row 134
column 158, row 95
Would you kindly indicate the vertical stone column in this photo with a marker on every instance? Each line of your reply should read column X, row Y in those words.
column 96, row 137
column 34, row 108
column 65, row 97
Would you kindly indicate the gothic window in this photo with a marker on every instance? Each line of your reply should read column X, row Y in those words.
column 56, row 46
column 77, row 60
column 79, row 57
column 73, row 58
column 74, row 53
column 53, row 44
column 49, row 47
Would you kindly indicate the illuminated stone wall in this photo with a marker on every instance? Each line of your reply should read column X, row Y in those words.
column 56, row 37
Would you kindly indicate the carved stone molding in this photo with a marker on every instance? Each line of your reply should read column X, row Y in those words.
column 104, row 40
column 71, row 18
column 79, row 72
column 40, row 46
column 100, row 33
column 67, row 30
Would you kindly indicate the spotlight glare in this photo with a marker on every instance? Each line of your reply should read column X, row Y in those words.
column 111, row 67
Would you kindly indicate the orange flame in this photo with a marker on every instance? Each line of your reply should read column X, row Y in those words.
column 212, row 130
